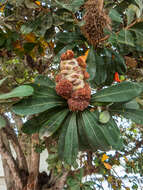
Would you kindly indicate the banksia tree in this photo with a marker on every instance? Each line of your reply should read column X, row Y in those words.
column 69, row 70
column 78, row 120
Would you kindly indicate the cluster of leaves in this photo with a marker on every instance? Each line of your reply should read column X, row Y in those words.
column 46, row 28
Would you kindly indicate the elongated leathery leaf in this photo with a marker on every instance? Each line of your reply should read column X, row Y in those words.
column 83, row 141
column 44, row 81
column 122, row 92
column 44, row 98
column 42, row 91
column 20, row 91
column 111, row 133
column 101, row 136
column 35, row 105
column 135, row 115
column 53, row 123
column 94, row 133
column 34, row 125
column 71, row 141
column 61, row 143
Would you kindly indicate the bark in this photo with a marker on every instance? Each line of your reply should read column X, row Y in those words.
column 11, row 163
column 7, row 173
column 34, row 168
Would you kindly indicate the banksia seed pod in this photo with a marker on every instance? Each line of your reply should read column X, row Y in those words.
column 95, row 20
column 82, row 93
column 70, row 82
column 64, row 88
column 77, row 105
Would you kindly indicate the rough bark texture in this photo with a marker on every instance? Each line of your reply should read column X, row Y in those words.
column 11, row 163
column 35, row 160
column 7, row 173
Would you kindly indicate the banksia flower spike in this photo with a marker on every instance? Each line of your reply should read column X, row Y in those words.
column 96, row 20
column 71, row 81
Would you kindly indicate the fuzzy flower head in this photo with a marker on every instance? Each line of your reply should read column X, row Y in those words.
column 71, row 81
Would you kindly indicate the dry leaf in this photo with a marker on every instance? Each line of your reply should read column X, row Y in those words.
column 107, row 166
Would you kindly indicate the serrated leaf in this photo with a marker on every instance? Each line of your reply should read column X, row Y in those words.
column 53, row 124
column 2, row 122
column 104, row 117
column 122, row 92
column 20, row 91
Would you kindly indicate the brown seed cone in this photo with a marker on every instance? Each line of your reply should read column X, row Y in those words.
column 58, row 77
column 95, row 20
column 64, row 88
column 77, row 105
column 81, row 62
column 131, row 62
column 82, row 93
column 68, row 55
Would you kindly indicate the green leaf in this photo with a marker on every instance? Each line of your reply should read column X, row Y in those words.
column 101, row 136
column 53, row 124
column 91, row 64
column 3, row 80
column 93, row 132
column 104, row 117
column 20, row 91
column 115, row 16
column 44, row 81
column 133, row 114
column 72, row 6
column 61, row 142
column 44, row 98
column 83, row 141
column 34, row 125
column 126, row 37
column 130, row 15
column 2, row 122
column 122, row 92
column 26, row 29
column 29, row 46
column 67, row 37
column 71, row 141
column 136, row 10
column 36, row 104
column 101, row 72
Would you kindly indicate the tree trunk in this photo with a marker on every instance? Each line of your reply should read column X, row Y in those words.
column 7, row 173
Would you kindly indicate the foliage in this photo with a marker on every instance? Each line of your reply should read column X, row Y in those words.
column 33, row 35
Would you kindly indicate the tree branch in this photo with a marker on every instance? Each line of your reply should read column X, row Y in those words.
column 11, row 162
column 8, row 130
column 125, row 28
